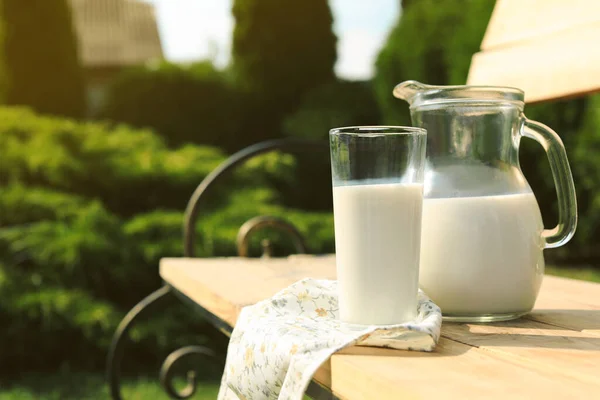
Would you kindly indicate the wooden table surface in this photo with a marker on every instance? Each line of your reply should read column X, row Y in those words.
column 554, row 352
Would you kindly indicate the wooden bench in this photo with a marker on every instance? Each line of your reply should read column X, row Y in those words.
column 554, row 352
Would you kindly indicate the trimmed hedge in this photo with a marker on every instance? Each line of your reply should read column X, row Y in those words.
column 184, row 104
column 86, row 212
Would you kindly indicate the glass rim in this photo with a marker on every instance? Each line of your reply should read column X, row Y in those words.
column 368, row 130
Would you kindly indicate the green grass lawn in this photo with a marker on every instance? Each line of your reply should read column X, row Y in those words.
column 585, row 273
column 91, row 386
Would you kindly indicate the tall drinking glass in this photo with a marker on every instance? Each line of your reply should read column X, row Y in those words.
column 378, row 174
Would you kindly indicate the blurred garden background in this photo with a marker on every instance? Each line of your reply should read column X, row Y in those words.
column 102, row 142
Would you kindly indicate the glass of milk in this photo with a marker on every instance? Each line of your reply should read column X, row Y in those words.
column 378, row 174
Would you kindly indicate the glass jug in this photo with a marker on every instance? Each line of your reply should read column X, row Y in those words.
column 482, row 237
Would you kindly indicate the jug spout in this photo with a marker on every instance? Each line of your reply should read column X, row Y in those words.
column 409, row 90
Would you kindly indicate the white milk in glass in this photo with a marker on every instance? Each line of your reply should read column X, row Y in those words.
column 482, row 254
column 377, row 236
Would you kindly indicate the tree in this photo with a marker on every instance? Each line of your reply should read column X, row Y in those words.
column 433, row 43
column 39, row 58
column 280, row 51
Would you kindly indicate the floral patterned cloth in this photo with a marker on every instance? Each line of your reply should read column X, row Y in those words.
column 279, row 343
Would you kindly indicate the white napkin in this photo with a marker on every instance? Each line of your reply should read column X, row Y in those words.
column 278, row 344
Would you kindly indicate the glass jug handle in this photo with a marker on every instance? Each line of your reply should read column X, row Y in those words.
column 563, row 180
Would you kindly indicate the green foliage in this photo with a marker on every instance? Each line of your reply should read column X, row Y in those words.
column 130, row 170
column 156, row 234
column 86, row 212
column 278, row 54
column 268, row 167
column 193, row 104
column 432, row 43
column 273, row 51
column 218, row 230
column 70, row 385
column 577, row 122
column 566, row 117
column 334, row 104
column 65, row 318
column 42, row 322
column 584, row 273
column 39, row 64
column 20, row 204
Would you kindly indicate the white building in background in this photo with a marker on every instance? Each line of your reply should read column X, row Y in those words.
column 112, row 35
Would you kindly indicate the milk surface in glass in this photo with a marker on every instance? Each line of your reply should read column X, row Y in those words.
column 377, row 236
column 482, row 254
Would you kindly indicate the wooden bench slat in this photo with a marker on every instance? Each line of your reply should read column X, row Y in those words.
column 224, row 286
column 569, row 303
column 587, row 321
column 561, row 293
column 560, row 351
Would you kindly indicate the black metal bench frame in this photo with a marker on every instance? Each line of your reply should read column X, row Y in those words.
column 159, row 296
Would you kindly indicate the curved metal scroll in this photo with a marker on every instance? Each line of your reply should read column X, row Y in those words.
column 167, row 372
column 191, row 212
column 265, row 221
column 115, row 354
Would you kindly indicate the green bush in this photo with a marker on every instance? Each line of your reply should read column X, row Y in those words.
column 52, row 327
column 74, row 280
column 193, row 104
column 86, row 212
column 20, row 204
column 87, row 250
column 158, row 234
column 39, row 64
column 130, row 170
column 47, row 327
column 218, row 230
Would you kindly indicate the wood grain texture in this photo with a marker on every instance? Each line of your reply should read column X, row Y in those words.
column 224, row 285
column 569, row 303
column 453, row 371
column 560, row 352
column 552, row 353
